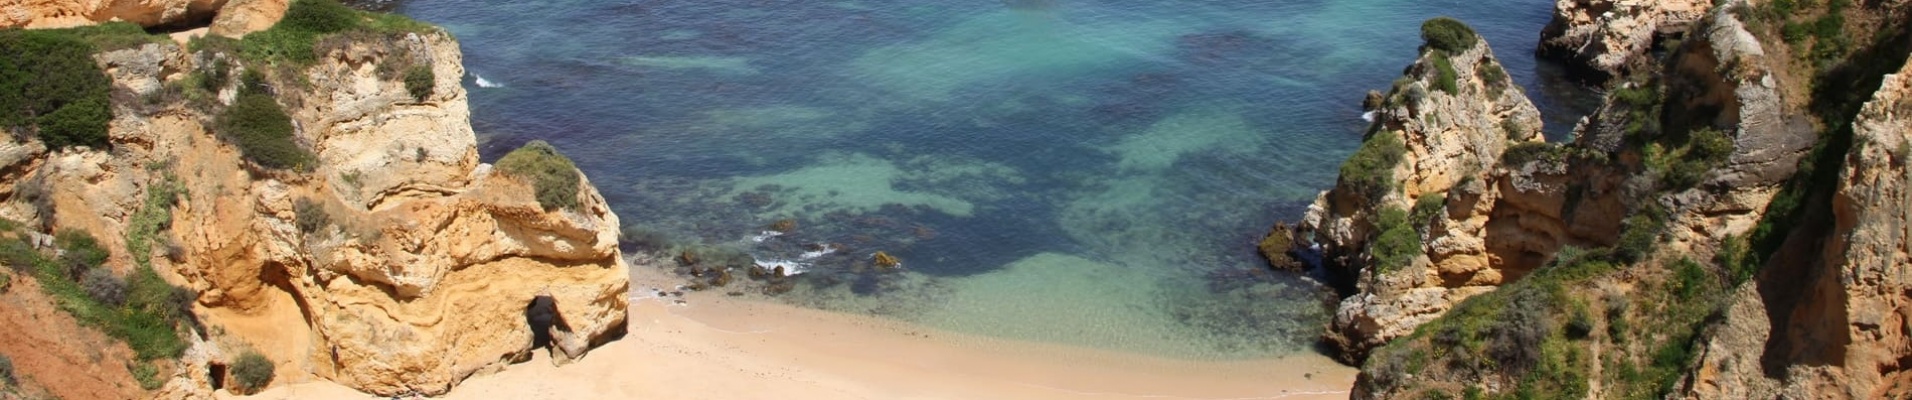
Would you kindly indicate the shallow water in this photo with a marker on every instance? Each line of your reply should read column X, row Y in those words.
column 1075, row 171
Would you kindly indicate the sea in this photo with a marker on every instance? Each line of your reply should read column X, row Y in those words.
column 1086, row 172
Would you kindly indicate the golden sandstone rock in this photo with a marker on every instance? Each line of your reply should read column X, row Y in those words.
column 429, row 263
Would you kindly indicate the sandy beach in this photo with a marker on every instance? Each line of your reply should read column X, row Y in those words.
column 712, row 346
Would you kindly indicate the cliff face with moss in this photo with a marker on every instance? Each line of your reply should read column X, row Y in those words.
column 1729, row 224
column 362, row 243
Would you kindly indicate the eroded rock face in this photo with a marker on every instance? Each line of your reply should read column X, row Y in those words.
column 1851, row 328
column 1608, row 38
column 1723, row 79
column 1453, row 149
column 69, row 13
column 415, row 265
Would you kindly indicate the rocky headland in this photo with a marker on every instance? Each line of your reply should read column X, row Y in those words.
column 1728, row 224
column 313, row 191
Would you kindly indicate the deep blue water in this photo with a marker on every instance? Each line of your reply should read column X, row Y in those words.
column 1087, row 172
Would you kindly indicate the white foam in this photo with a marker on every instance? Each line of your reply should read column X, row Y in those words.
column 789, row 267
column 809, row 255
column 1367, row 116
column 765, row 235
column 483, row 83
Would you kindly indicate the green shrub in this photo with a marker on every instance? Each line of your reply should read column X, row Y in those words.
column 311, row 215
column 104, row 287
column 1448, row 34
column 550, row 173
column 1445, row 79
column 1690, row 279
column 1525, row 152
column 1427, row 207
column 1705, row 150
column 318, row 16
column 263, row 132
column 252, row 372
column 419, row 81
column 50, row 87
column 18, row 254
column 1641, row 235
column 1397, row 244
column 6, row 370
column 1370, row 170
column 79, row 252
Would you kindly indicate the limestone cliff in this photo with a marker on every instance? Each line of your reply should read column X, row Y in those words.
column 1606, row 39
column 1851, row 329
column 1729, row 224
column 395, row 263
column 1451, row 151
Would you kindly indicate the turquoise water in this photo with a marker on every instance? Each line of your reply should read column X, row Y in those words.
column 1084, row 172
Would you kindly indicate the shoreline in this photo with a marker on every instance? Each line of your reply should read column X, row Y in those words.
column 718, row 347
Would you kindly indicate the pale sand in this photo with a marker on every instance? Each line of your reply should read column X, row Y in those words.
column 717, row 347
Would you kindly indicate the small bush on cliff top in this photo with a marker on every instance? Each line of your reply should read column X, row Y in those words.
column 252, row 372
column 50, row 87
column 263, row 132
column 550, row 173
column 1448, row 34
column 1370, row 170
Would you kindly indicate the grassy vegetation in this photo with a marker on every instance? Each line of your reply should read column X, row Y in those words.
column 1370, row 170
column 294, row 39
column 550, row 173
column 51, row 88
column 154, row 215
column 147, row 320
column 1397, row 243
column 1537, row 335
column 1448, row 34
column 1445, row 79
column 263, row 132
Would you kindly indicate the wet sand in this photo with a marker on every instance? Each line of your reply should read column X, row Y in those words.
column 717, row 347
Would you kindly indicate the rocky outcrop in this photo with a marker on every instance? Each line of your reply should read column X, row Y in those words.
column 68, row 13
column 225, row 17
column 398, row 264
column 1850, row 327
column 1453, row 145
column 1724, row 79
column 1603, row 39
